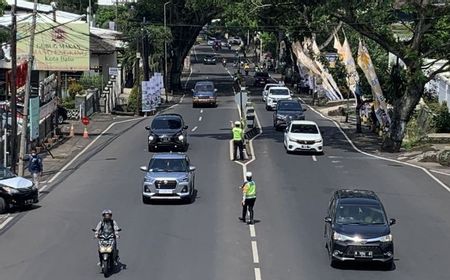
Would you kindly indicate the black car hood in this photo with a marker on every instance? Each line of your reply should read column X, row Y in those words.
column 290, row 113
column 363, row 231
column 168, row 132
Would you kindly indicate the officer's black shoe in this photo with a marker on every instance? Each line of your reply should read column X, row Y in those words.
column 251, row 222
column 242, row 219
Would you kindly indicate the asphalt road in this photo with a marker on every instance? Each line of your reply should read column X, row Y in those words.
column 205, row 240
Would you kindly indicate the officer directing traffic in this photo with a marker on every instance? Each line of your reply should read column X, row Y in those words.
column 238, row 140
column 248, row 198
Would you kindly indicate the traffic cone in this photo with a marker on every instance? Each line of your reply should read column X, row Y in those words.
column 85, row 133
column 72, row 131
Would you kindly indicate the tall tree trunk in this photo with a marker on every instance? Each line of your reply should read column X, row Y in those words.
column 403, row 110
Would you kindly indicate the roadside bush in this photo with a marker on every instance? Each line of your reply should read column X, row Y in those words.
column 133, row 100
column 91, row 81
column 441, row 120
column 68, row 103
column 74, row 89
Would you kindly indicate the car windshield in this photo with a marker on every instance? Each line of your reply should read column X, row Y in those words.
column 204, row 87
column 304, row 128
column 168, row 165
column 5, row 173
column 289, row 106
column 279, row 91
column 360, row 215
column 166, row 123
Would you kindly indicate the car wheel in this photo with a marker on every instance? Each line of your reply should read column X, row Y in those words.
column 267, row 108
column 388, row 266
column 3, row 206
column 145, row 200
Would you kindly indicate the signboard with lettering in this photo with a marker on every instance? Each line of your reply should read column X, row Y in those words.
column 57, row 47
column 34, row 118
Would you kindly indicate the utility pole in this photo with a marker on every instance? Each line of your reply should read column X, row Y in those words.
column 23, row 136
column 12, row 85
column 166, row 81
column 145, row 52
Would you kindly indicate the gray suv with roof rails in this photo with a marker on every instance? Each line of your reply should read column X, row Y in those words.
column 169, row 176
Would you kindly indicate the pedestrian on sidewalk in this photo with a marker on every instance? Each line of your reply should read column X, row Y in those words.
column 35, row 167
column 238, row 140
column 248, row 198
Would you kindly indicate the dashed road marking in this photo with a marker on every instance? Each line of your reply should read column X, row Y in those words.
column 2, row 225
column 252, row 231
column 314, row 158
column 255, row 252
column 257, row 273
column 201, row 111
column 194, row 129
column 200, row 118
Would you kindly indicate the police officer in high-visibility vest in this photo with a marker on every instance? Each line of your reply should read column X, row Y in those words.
column 238, row 140
column 248, row 198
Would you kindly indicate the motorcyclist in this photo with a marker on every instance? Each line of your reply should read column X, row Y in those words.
column 108, row 225
column 224, row 62
column 246, row 68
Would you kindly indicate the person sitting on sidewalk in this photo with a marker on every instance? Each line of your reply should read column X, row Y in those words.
column 35, row 167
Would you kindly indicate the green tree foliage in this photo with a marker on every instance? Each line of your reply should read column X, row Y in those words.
column 3, row 5
column 441, row 120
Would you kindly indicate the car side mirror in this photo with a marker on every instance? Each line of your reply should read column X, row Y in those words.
column 392, row 222
column 327, row 220
column 147, row 127
column 192, row 168
column 143, row 168
column 185, row 127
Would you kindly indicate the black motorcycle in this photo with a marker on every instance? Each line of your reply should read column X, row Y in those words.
column 107, row 251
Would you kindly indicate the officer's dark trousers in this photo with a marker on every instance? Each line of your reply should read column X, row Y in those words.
column 248, row 204
column 238, row 145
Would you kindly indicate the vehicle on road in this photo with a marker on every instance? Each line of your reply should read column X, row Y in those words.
column 261, row 79
column 235, row 40
column 357, row 228
column 168, row 131
column 204, row 93
column 303, row 136
column 265, row 91
column 209, row 59
column 224, row 44
column 210, row 41
column 107, row 251
column 169, row 176
column 16, row 191
column 286, row 112
column 276, row 94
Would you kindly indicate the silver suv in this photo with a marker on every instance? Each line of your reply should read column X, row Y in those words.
column 169, row 176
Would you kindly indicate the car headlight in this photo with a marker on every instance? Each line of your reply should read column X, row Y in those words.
column 386, row 238
column 341, row 237
column 151, row 138
column 10, row 190
column 180, row 137
column 184, row 180
column 281, row 117
column 292, row 140
column 318, row 141
column 147, row 189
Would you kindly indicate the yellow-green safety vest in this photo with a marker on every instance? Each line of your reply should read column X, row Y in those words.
column 250, row 190
column 237, row 133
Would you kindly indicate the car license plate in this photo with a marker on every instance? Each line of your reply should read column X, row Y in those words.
column 28, row 201
column 304, row 146
column 165, row 191
column 363, row 254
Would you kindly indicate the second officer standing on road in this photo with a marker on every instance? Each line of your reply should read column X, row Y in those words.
column 248, row 198
column 238, row 140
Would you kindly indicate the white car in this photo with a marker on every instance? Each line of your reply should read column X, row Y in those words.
column 210, row 41
column 235, row 40
column 275, row 94
column 303, row 136
column 265, row 91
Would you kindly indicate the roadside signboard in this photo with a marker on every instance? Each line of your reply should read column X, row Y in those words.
column 85, row 120
column 34, row 118
column 113, row 71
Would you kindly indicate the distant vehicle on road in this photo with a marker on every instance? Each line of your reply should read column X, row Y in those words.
column 303, row 136
column 235, row 40
column 276, row 94
column 204, row 93
column 169, row 176
column 209, row 59
column 211, row 41
column 224, row 44
column 15, row 191
column 286, row 112
column 261, row 79
column 357, row 228
column 265, row 91
column 168, row 131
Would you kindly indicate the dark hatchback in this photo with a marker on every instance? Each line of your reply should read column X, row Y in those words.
column 210, row 59
column 287, row 111
column 357, row 228
column 167, row 131
column 16, row 191
column 261, row 79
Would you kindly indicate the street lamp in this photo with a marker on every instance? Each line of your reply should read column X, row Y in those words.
column 165, row 51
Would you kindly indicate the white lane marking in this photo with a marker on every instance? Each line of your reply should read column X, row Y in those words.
column 43, row 188
column 229, row 73
column 189, row 77
column 335, row 161
column 434, row 178
column 9, row 219
column 440, row 172
column 252, row 231
column 200, row 118
column 255, row 252
column 201, row 111
column 257, row 273
column 195, row 53
column 194, row 129
column 314, row 158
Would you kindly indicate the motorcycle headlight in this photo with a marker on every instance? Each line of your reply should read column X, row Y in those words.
column 180, row 137
column 318, row 141
column 386, row 238
column 151, row 138
column 341, row 237
column 10, row 190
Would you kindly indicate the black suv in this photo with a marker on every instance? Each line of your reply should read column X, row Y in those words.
column 261, row 79
column 357, row 228
column 287, row 111
column 168, row 131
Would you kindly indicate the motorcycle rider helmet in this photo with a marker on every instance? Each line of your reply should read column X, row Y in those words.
column 107, row 214
column 248, row 175
column 237, row 123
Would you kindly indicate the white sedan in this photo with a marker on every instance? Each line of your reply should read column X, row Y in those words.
column 265, row 91
column 303, row 136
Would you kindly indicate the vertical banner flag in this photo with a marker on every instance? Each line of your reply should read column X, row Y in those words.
column 345, row 55
column 146, row 97
column 34, row 118
column 365, row 63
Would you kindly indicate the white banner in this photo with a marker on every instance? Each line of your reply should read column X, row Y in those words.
column 114, row 2
column 146, row 96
